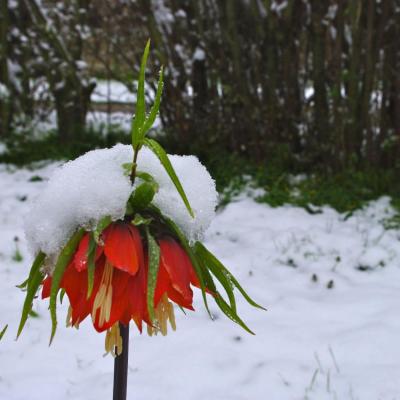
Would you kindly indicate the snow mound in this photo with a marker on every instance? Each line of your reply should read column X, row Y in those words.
column 84, row 190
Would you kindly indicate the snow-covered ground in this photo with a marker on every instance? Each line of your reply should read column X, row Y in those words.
column 331, row 331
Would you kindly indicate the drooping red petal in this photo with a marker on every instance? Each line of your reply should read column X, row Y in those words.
column 163, row 284
column 120, row 301
column 46, row 287
column 177, row 264
column 123, row 247
column 75, row 284
column 137, row 294
column 80, row 258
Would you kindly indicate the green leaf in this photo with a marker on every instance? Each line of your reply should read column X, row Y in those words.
column 62, row 262
column 23, row 285
column 34, row 280
column 140, row 111
column 140, row 220
column 231, row 314
column 33, row 314
column 220, row 275
column 163, row 157
column 189, row 251
column 154, row 262
column 91, row 255
column 101, row 226
column 3, row 331
column 142, row 196
column 146, row 177
column 155, row 108
column 127, row 167
column 210, row 259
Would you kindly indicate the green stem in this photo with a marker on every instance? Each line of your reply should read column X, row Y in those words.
column 134, row 165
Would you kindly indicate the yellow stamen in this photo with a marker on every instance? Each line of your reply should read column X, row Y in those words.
column 68, row 321
column 113, row 342
column 164, row 312
column 103, row 299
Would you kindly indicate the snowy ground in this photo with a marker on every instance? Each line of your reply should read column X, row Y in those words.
column 314, row 342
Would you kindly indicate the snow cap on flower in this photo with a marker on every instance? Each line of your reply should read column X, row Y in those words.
column 94, row 185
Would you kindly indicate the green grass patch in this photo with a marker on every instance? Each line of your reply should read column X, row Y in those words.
column 23, row 150
column 281, row 182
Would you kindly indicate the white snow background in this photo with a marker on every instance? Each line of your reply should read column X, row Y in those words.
column 313, row 342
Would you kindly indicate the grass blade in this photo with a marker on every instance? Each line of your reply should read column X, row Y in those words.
column 3, row 331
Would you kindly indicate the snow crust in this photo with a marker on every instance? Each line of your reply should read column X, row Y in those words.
column 84, row 190
column 313, row 343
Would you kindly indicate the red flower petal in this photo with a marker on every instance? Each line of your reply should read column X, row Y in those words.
column 123, row 247
column 46, row 287
column 120, row 301
column 76, row 285
column 137, row 292
column 178, row 266
column 163, row 284
column 80, row 258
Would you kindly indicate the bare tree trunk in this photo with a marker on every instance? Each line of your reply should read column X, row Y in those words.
column 5, row 92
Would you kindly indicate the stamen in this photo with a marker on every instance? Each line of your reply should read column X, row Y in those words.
column 103, row 299
column 113, row 342
column 68, row 321
column 164, row 312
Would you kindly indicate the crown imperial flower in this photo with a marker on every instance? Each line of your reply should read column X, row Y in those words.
column 118, row 233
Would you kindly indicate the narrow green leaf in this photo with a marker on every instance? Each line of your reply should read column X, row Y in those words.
column 62, row 294
column 34, row 280
column 154, row 262
column 101, row 226
column 231, row 314
column 189, row 251
column 62, row 262
column 23, row 285
column 140, row 111
column 182, row 309
column 163, row 157
column 204, row 253
column 142, row 196
column 3, row 331
column 208, row 280
column 156, row 106
column 220, row 275
column 91, row 255
column 33, row 314
column 37, row 264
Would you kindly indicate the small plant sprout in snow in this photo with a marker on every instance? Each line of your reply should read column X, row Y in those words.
column 118, row 230
column 17, row 257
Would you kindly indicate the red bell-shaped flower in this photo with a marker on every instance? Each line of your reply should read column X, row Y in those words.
column 120, row 281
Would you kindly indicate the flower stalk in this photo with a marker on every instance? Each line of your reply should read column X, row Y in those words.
column 121, row 365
